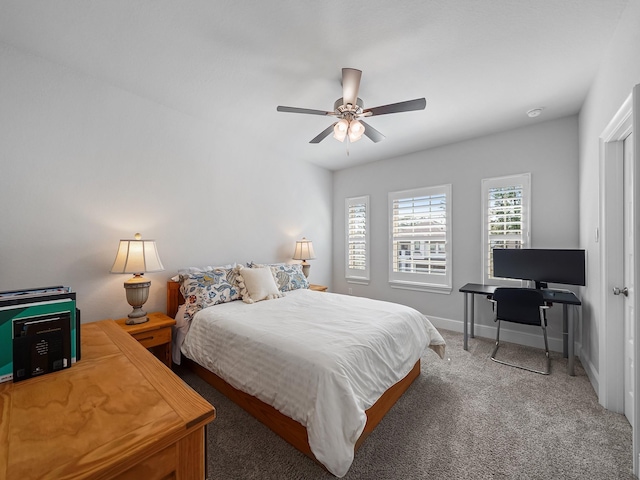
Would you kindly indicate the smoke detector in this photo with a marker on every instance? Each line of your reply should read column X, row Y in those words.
column 534, row 112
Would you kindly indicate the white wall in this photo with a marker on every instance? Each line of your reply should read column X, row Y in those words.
column 549, row 150
column 84, row 164
column 618, row 74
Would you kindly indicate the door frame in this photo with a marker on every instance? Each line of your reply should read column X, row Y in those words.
column 611, row 335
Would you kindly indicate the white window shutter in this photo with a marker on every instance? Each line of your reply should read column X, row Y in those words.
column 420, row 239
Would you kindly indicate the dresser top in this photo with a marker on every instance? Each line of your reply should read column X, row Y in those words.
column 98, row 418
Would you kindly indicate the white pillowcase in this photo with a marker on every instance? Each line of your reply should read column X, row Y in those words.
column 257, row 284
column 180, row 330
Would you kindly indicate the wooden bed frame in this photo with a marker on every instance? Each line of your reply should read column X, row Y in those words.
column 290, row 430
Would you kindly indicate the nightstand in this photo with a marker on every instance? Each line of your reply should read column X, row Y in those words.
column 318, row 288
column 154, row 335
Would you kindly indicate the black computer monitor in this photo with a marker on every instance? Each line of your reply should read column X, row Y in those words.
column 540, row 265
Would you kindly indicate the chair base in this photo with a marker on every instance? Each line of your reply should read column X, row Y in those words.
column 541, row 372
column 521, row 367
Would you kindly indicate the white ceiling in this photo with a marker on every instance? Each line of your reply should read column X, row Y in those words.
column 481, row 64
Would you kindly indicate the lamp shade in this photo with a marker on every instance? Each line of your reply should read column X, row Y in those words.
column 304, row 250
column 137, row 256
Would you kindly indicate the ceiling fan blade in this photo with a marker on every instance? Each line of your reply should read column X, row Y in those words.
column 304, row 110
column 372, row 133
column 350, row 85
column 408, row 106
column 324, row 134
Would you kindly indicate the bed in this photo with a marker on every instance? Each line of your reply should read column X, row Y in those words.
column 271, row 364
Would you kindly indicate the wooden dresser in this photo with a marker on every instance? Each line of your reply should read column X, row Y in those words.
column 117, row 413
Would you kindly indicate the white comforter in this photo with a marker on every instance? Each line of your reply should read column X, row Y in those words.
column 319, row 358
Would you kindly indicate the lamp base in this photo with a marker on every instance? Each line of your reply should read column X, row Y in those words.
column 305, row 268
column 136, row 321
column 137, row 290
column 137, row 316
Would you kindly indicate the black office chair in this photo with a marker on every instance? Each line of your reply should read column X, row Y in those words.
column 525, row 306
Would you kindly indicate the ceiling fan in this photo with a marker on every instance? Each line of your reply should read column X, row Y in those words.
column 350, row 109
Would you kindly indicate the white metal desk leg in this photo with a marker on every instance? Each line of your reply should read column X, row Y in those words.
column 570, row 353
column 465, row 344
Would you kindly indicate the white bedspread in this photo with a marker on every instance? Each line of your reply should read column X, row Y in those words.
column 319, row 358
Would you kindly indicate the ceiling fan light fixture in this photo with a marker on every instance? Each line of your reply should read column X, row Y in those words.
column 356, row 129
column 340, row 129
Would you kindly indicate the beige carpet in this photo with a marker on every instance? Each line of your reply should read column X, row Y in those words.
column 465, row 418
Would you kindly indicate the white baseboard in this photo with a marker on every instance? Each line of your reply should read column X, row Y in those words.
column 592, row 373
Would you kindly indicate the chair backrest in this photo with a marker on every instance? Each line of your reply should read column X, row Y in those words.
column 519, row 305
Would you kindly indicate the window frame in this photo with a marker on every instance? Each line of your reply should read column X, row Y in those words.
column 523, row 179
column 358, row 275
column 434, row 283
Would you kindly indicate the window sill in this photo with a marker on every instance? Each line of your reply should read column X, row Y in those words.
column 421, row 287
column 359, row 281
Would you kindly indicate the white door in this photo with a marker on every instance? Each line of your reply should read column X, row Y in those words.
column 629, row 280
column 619, row 186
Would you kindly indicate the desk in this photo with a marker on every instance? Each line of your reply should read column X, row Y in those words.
column 117, row 413
column 550, row 296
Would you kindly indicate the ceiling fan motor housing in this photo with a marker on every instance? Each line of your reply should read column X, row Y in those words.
column 348, row 110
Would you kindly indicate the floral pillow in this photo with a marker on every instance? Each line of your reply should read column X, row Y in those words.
column 205, row 289
column 184, row 271
column 289, row 276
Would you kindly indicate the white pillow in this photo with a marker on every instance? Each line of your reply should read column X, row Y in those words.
column 256, row 284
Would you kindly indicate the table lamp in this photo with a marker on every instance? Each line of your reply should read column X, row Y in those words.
column 137, row 256
column 304, row 251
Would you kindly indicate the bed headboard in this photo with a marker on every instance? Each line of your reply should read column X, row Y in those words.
column 174, row 298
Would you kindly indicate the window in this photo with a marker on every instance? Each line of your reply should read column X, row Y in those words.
column 506, row 218
column 420, row 239
column 357, row 248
